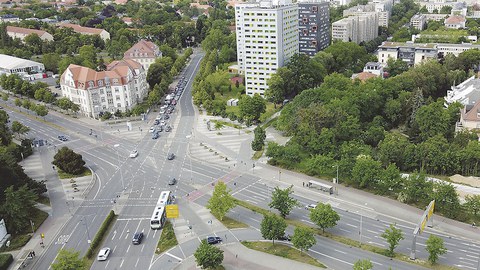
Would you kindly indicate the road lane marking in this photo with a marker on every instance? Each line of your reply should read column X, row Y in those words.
column 328, row 256
column 173, row 256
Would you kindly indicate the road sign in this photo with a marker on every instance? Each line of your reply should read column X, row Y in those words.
column 172, row 211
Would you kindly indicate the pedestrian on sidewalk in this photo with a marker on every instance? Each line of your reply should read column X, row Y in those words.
column 303, row 184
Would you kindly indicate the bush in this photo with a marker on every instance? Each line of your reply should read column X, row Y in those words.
column 106, row 115
column 5, row 261
column 100, row 234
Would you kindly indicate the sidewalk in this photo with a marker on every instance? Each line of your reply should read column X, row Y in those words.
column 238, row 257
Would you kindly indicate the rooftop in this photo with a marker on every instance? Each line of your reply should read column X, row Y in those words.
column 26, row 31
column 11, row 62
column 467, row 93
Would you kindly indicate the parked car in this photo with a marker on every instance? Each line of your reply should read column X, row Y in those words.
column 156, row 122
column 166, row 117
column 152, row 129
column 168, row 129
column 103, row 254
column 171, row 156
column 134, row 154
column 163, row 123
column 214, row 240
column 160, row 129
column 155, row 136
column 137, row 238
column 286, row 237
column 172, row 182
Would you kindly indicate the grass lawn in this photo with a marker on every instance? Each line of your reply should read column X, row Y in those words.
column 64, row 175
column 44, row 200
column 167, row 239
column 231, row 223
column 19, row 240
column 258, row 154
column 284, row 251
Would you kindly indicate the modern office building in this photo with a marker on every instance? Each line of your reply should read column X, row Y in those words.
column 120, row 87
column 418, row 21
column 313, row 26
column 267, row 36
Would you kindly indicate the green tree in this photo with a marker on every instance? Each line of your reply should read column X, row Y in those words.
column 272, row 227
column 221, row 201
column 41, row 110
column 250, row 108
column 324, row 216
column 366, row 172
column 69, row 259
column 396, row 67
column 18, row 102
column 435, row 248
column 69, row 161
column 363, row 265
column 208, row 256
column 18, row 207
column 282, row 200
column 279, row 85
column 472, row 204
column 303, row 238
column 19, row 128
column 393, row 237
column 50, row 61
column 259, row 138
column 446, row 199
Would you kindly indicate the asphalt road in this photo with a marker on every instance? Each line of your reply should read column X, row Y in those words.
column 131, row 187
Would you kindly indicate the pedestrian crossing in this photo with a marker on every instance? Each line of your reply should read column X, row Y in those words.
column 222, row 144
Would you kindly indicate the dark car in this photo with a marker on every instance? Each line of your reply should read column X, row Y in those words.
column 171, row 156
column 156, row 122
column 214, row 240
column 172, row 182
column 286, row 237
column 137, row 238
column 62, row 138
column 166, row 117
column 155, row 136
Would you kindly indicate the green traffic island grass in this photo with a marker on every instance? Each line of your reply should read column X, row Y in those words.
column 258, row 154
column 348, row 241
column 65, row 175
column 224, row 123
column 284, row 251
column 231, row 223
column 19, row 240
column 167, row 239
column 44, row 200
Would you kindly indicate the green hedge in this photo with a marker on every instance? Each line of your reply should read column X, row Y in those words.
column 5, row 260
column 100, row 234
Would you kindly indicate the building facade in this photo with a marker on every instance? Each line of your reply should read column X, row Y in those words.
column 11, row 65
column 267, row 36
column 87, row 30
column 144, row 52
column 120, row 87
column 356, row 28
column 412, row 53
column 21, row 33
column 313, row 26
column 418, row 21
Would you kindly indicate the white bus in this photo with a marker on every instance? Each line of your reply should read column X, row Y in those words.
column 158, row 217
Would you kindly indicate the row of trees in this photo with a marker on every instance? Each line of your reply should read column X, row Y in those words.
column 18, row 192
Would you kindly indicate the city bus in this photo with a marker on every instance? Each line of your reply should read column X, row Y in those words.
column 321, row 186
column 158, row 217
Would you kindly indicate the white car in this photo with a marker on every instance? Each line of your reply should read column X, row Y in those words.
column 310, row 206
column 134, row 154
column 103, row 254
column 152, row 129
column 163, row 123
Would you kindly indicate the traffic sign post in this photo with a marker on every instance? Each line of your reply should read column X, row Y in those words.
column 172, row 211
column 427, row 216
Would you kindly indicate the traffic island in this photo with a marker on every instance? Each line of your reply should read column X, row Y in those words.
column 281, row 250
column 167, row 239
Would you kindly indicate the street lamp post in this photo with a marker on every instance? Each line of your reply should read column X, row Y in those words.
column 119, row 167
column 84, row 221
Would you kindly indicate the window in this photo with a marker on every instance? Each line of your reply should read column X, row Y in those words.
column 314, row 8
column 305, row 32
column 314, row 28
column 90, row 84
column 100, row 83
column 117, row 97
column 102, row 92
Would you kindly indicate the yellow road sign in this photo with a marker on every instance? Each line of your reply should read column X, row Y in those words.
column 172, row 211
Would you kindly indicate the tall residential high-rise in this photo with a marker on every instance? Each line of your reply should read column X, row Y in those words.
column 313, row 26
column 267, row 36
column 356, row 28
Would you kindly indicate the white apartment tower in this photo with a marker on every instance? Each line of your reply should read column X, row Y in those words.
column 267, row 36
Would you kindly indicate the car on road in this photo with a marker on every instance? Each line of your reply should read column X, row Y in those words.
column 168, row 129
column 214, row 240
column 171, row 156
column 285, row 237
column 172, row 182
column 310, row 206
column 137, row 238
column 166, row 117
column 103, row 254
column 62, row 138
column 156, row 122
column 134, row 154
column 152, row 129
column 159, row 117
column 155, row 136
